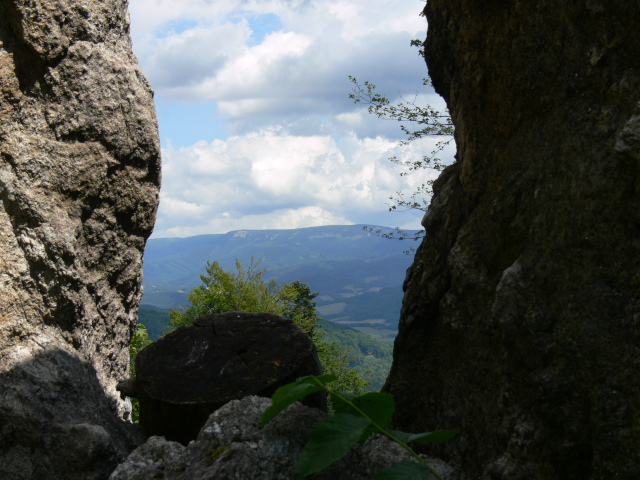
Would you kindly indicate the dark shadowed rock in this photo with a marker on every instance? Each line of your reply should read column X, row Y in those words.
column 187, row 375
column 57, row 422
column 232, row 446
column 79, row 176
column 520, row 326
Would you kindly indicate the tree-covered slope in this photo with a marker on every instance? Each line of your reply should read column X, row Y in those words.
column 365, row 352
column 358, row 275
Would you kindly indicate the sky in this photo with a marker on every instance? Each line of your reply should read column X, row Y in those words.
column 256, row 126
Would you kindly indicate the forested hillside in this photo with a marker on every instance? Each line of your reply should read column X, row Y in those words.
column 357, row 275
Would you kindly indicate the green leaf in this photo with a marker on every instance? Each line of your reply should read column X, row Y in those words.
column 400, row 435
column 330, row 441
column 424, row 438
column 406, row 470
column 293, row 393
column 379, row 407
column 339, row 404
column 321, row 378
column 286, row 395
column 433, row 437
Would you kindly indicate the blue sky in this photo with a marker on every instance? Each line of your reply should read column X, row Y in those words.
column 256, row 126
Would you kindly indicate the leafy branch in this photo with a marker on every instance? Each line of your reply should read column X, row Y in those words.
column 356, row 419
column 431, row 122
column 139, row 340
column 397, row 234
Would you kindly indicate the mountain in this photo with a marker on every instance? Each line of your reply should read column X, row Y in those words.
column 358, row 275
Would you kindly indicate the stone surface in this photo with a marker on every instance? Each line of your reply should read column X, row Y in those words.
column 79, row 177
column 232, row 446
column 188, row 374
column 520, row 326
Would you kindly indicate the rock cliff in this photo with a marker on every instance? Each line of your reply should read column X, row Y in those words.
column 79, row 179
column 520, row 326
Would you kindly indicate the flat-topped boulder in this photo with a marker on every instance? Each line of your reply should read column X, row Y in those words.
column 188, row 374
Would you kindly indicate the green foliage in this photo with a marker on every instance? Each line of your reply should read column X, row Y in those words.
column 155, row 319
column 367, row 355
column 430, row 122
column 301, row 308
column 334, row 357
column 356, row 419
column 335, row 361
column 139, row 340
column 247, row 291
column 287, row 394
column 223, row 291
column 330, row 441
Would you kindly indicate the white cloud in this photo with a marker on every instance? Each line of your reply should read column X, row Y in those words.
column 271, row 178
column 195, row 55
column 276, row 46
column 287, row 218
column 293, row 150
column 202, row 51
column 175, row 207
column 304, row 217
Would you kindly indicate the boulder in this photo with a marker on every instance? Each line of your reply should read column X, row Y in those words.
column 79, row 179
column 191, row 372
column 232, row 446
column 520, row 325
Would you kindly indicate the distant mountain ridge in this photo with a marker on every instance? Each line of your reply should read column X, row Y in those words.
column 358, row 275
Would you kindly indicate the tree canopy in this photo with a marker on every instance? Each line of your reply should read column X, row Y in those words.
column 225, row 291
column 247, row 290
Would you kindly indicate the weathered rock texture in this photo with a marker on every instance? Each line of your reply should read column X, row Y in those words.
column 232, row 446
column 79, row 177
column 190, row 373
column 521, row 319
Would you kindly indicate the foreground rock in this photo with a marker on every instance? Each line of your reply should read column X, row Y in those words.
column 521, row 319
column 190, row 373
column 79, row 176
column 231, row 446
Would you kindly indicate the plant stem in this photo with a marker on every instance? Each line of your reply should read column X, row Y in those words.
column 382, row 430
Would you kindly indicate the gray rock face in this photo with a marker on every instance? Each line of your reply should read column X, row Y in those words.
column 231, row 446
column 520, row 326
column 79, row 178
